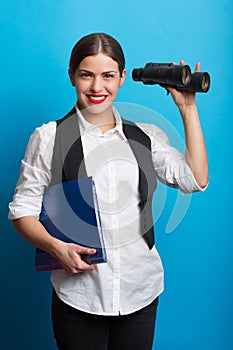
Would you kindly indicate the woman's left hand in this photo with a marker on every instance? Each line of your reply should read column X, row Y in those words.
column 195, row 154
column 184, row 99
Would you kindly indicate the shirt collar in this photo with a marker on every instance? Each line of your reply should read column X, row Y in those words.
column 86, row 127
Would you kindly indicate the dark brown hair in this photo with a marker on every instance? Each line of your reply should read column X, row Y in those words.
column 93, row 44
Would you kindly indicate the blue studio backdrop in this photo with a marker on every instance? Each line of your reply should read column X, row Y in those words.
column 195, row 310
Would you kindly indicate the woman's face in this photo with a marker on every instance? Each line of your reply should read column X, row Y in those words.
column 96, row 81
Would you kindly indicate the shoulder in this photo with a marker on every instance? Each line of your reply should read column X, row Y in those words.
column 46, row 129
column 154, row 132
column 42, row 137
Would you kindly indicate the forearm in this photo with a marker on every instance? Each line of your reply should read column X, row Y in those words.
column 68, row 254
column 34, row 232
column 196, row 155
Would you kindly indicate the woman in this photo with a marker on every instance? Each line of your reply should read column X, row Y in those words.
column 111, row 305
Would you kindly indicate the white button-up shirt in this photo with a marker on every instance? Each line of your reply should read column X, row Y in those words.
column 133, row 276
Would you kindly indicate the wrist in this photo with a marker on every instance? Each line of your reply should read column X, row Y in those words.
column 56, row 247
column 188, row 111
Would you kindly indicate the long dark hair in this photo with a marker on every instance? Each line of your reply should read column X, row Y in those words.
column 93, row 44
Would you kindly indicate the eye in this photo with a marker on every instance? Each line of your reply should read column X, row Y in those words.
column 85, row 75
column 108, row 76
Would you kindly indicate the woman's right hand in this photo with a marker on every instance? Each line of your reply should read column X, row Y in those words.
column 69, row 256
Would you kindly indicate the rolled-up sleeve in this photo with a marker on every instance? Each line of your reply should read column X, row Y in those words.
column 35, row 172
column 169, row 163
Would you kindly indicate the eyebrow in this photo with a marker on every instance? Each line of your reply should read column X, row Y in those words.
column 87, row 71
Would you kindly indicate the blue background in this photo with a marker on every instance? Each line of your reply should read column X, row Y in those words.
column 195, row 311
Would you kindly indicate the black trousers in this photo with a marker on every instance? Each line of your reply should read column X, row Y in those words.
column 77, row 330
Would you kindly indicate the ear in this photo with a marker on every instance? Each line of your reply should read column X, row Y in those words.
column 122, row 79
column 71, row 75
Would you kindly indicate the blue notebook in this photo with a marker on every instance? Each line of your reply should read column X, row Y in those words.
column 70, row 213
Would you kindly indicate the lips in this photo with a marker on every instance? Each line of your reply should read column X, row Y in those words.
column 96, row 99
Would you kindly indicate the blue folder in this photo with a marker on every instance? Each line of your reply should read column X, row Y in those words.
column 70, row 213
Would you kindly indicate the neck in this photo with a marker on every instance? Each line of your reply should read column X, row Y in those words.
column 104, row 120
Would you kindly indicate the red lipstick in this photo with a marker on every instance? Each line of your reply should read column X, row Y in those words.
column 96, row 99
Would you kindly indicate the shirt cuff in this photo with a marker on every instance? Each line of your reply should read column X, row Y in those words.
column 192, row 186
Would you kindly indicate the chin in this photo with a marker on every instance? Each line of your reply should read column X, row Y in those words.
column 97, row 109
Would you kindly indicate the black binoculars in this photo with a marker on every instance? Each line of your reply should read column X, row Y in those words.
column 171, row 75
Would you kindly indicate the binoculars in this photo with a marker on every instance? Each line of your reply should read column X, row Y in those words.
column 170, row 75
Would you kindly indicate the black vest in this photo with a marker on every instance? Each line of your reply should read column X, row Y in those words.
column 68, row 163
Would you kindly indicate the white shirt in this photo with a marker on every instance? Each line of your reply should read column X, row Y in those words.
column 133, row 276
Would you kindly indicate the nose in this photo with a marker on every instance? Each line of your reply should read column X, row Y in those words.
column 96, row 85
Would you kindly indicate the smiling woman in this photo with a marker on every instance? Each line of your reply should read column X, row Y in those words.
column 113, row 305
column 97, row 80
column 99, row 85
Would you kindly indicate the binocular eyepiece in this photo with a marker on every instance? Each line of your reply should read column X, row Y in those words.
column 170, row 75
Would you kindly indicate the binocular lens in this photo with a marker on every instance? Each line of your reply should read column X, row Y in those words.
column 200, row 82
column 205, row 82
column 185, row 75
